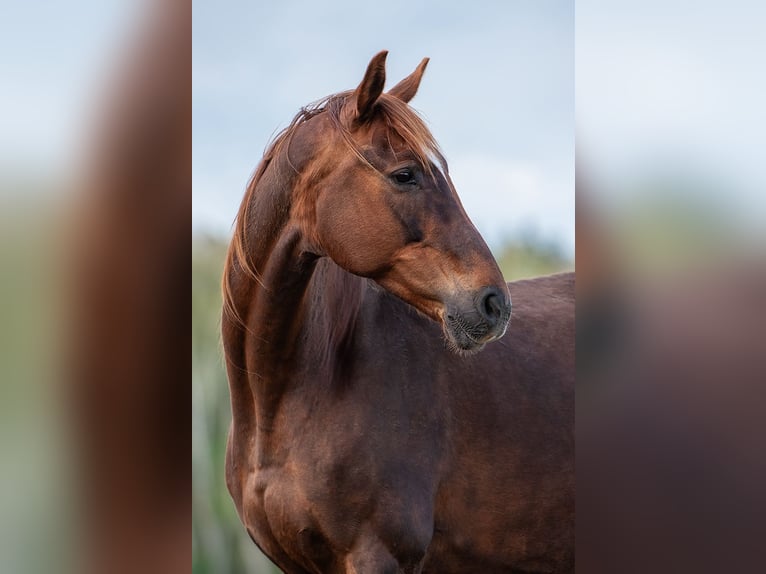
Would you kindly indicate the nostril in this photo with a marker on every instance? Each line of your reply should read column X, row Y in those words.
column 491, row 305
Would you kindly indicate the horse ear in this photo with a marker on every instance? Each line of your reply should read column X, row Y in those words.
column 408, row 87
column 372, row 86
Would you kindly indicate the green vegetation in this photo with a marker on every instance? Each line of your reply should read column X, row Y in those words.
column 220, row 544
column 529, row 257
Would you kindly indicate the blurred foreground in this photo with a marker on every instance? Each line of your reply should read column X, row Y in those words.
column 94, row 335
column 671, row 397
column 671, row 307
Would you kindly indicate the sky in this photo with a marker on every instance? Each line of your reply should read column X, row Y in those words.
column 674, row 90
column 55, row 58
column 498, row 95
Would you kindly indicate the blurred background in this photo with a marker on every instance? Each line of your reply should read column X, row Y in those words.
column 671, row 302
column 497, row 95
column 95, row 179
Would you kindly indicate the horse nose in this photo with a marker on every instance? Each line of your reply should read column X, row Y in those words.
column 492, row 306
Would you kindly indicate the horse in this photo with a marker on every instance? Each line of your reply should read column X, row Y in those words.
column 383, row 420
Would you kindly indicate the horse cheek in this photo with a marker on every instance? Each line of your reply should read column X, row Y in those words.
column 360, row 235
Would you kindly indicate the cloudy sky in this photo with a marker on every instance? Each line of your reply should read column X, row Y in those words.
column 498, row 93
column 55, row 58
column 498, row 96
column 673, row 86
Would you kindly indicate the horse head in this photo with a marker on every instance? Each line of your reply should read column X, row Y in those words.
column 373, row 193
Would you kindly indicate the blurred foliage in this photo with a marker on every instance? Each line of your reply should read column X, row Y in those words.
column 36, row 526
column 531, row 256
column 672, row 222
column 220, row 543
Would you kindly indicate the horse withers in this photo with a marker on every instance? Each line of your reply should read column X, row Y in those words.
column 363, row 439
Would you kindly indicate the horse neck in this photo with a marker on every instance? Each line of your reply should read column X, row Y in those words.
column 278, row 312
column 268, row 270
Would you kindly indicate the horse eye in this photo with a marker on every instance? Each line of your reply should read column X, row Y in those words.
column 404, row 176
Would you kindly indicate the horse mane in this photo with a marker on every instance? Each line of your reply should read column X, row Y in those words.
column 397, row 116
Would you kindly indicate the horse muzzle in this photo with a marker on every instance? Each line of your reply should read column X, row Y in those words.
column 471, row 322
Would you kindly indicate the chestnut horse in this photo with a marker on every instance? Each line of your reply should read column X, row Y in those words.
column 362, row 441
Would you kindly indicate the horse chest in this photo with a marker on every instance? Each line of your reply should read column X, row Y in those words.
column 344, row 479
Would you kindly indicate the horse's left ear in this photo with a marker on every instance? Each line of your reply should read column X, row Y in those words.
column 371, row 87
column 408, row 87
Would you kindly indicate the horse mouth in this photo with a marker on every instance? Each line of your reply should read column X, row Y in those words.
column 468, row 333
column 464, row 337
column 463, row 343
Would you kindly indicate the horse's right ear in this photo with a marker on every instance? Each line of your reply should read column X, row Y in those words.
column 371, row 87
